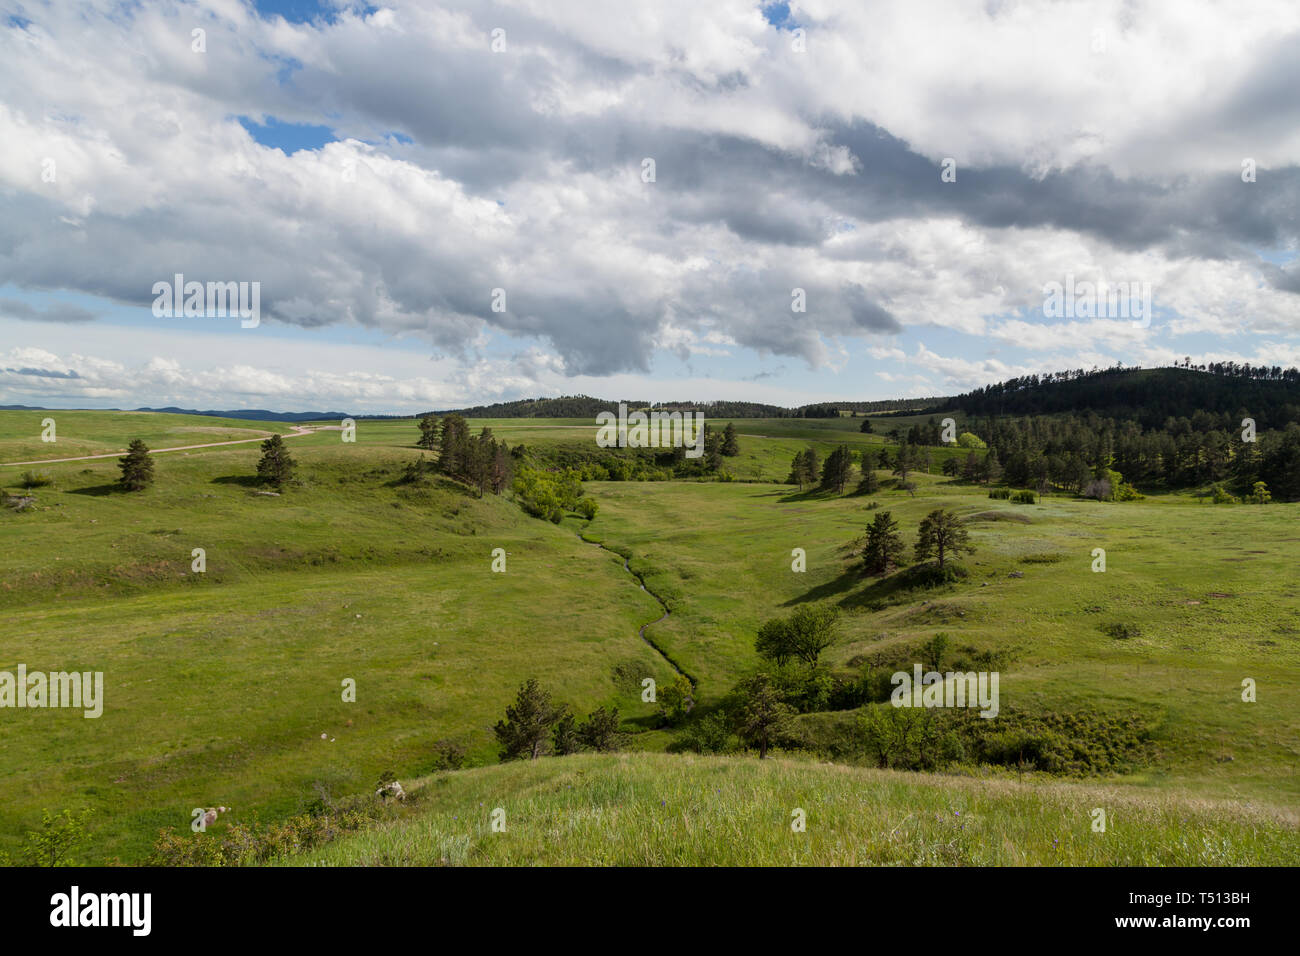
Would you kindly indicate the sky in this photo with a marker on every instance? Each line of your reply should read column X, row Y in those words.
column 454, row 203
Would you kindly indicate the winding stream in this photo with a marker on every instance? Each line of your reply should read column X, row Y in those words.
column 641, row 632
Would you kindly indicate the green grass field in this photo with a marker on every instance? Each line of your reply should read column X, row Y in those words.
column 220, row 685
column 660, row 810
column 78, row 433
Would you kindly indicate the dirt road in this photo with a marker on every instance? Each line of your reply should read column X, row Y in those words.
column 297, row 430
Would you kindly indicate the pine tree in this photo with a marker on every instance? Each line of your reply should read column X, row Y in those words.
column 600, row 730
column 527, row 723
column 730, row 446
column 503, row 468
column 800, row 472
column 884, row 547
column 429, row 428
column 137, row 467
column 904, row 462
column 276, row 466
column 454, row 452
column 941, row 535
column 814, row 464
column 835, row 473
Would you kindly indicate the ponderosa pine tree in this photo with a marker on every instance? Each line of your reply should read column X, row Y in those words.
column 600, row 730
column 429, row 429
column 942, row 536
column 137, row 467
column 884, row 547
column 276, row 465
column 528, row 722
column 730, row 445
column 801, row 469
column 835, row 473
column 904, row 463
column 453, row 447
column 814, row 464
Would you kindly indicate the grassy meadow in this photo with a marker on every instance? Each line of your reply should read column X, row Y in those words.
column 224, row 688
column 661, row 810
column 79, row 433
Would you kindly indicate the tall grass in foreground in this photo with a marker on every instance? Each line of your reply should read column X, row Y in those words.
column 659, row 810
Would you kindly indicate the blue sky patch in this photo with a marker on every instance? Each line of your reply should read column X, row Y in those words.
column 307, row 11
column 778, row 14
column 288, row 137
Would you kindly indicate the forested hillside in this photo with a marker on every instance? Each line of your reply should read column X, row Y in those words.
column 1221, row 391
column 1222, row 426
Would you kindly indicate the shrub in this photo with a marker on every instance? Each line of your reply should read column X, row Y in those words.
column 1071, row 744
column 1110, row 485
column 417, row 472
column 677, row 699
column 1221, row 496
column 36, row 479
column 245, row 844
column 930, row 575
column 547, row 494
column 599, row 731
column 1000, row 493
column 448, row 755
column 1099, row 489
column 564, row 736
column 709, row 735
column 1121, row 631
column 869, row 484
column 1023, row 498
column 53, row 843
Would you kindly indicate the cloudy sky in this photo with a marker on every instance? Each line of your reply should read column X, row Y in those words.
column 921, row 171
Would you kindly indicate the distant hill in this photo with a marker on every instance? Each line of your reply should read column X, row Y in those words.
column 246, row 414
column 1148, row 396
column 262, row 415
column 584, row 406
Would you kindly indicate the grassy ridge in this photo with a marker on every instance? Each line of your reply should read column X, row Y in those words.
column 79, row 433
column 659, row 810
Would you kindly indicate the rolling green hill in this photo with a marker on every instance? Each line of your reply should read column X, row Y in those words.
column 220, row 684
